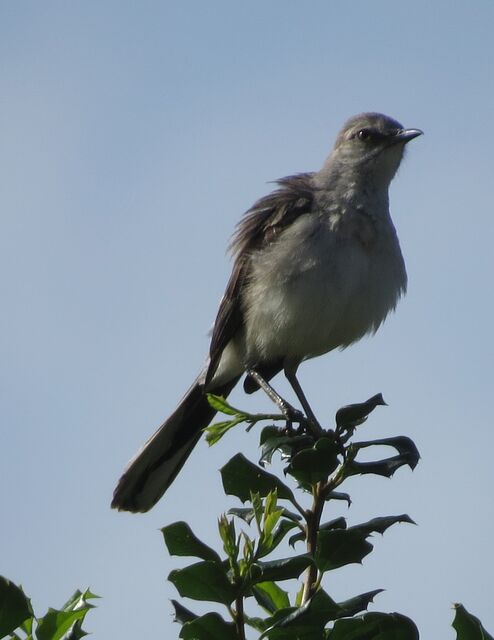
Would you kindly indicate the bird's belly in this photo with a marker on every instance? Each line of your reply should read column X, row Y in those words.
column 312, row 307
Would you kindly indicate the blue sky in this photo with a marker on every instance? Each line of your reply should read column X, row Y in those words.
column 132, row 137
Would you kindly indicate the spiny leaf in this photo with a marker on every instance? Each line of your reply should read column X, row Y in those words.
column 182, row 614
column 15, row 607
column 270, row 596
column 208, row 627
column 310, row 466
column 204, row 581
column 339, row 547
column 240, row 477
column 352, row 415
column 467, row 626
column 375, row 625
column 277, row 570
column 181, row 541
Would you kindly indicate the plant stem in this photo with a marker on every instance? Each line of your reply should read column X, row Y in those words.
column 313, row 519
column 239, row 618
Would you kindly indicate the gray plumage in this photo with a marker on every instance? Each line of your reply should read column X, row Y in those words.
column 317, row 265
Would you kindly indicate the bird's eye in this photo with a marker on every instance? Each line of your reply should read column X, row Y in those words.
column 363, row 134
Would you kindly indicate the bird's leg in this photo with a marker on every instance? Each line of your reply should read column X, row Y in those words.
column 292, row 379
column 290, row 413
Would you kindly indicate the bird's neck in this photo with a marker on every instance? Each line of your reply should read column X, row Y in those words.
column 353, row 188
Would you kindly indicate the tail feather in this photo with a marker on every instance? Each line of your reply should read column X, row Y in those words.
column 149, row 474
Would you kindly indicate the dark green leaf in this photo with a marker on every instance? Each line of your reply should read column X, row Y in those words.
column 203, row 581
column 240, row 477
column 298, row 537
column 310, row 466
column 315, row 614
column 220, row 404
column 55, row 624
column 467, row 626
column 340, row 547
column 405, row 447
column 337, row 523
column 386, row 467
column 352, row 415
column 355, row 605
column 182, row 614
column 15, row 607
column 208, row 627
column 244, row 513
column 277, row 570
column 256, row 623
column 338, row 495
column 277, row 439
column 375, row 626
column 379, row 525
column 181, row 541
column 270, row 596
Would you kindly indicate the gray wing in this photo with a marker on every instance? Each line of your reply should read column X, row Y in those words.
column 261, row 225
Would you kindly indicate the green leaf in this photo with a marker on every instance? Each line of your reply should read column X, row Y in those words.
column 467, row 626
column 407, row 455
column 280, row 532
column 204, row 581
column 181, row 541
column 339, row 547
column 352, row 415
column 182, row 614
column 208, row 627
column 375, row 625
column 15, row 607
column 277, row 570
column 220, row 404
column 256, row 623
column 240, row 477
column 379, row 525
column 55, row 624
column 310, row 466
column 274, row 439
column 214, row 432
column 270, row 596
column 338, row 495
column 244, row 513
column 79, row 599
column 337, row 523
column 316, row 613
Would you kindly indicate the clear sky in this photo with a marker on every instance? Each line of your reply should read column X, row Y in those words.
column 132, row 137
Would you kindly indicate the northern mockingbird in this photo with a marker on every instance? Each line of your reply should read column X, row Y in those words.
column 317, row 266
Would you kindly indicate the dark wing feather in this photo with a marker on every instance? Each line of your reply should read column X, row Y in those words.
column 260, row 225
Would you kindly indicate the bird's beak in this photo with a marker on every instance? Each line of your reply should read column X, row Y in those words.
column 405, row 135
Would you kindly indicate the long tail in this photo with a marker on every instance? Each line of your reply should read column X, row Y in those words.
column 149, row 474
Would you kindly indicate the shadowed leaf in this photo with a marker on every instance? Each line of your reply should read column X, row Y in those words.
column 375, row 626
column 241, row 477
column 181, row 541
column 310, row 466
column 182, row 614
column 340, row 547
column 15, row 607
column 352, row 415
column 277, row 570
column 208, row 627
column 203, row 581
column 467, row 626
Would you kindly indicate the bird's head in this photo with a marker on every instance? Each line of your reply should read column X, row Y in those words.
column 370, row 145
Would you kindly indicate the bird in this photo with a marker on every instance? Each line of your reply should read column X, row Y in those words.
column 317, row 265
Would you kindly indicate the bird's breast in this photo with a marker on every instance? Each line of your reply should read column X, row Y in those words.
column 321, row 286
